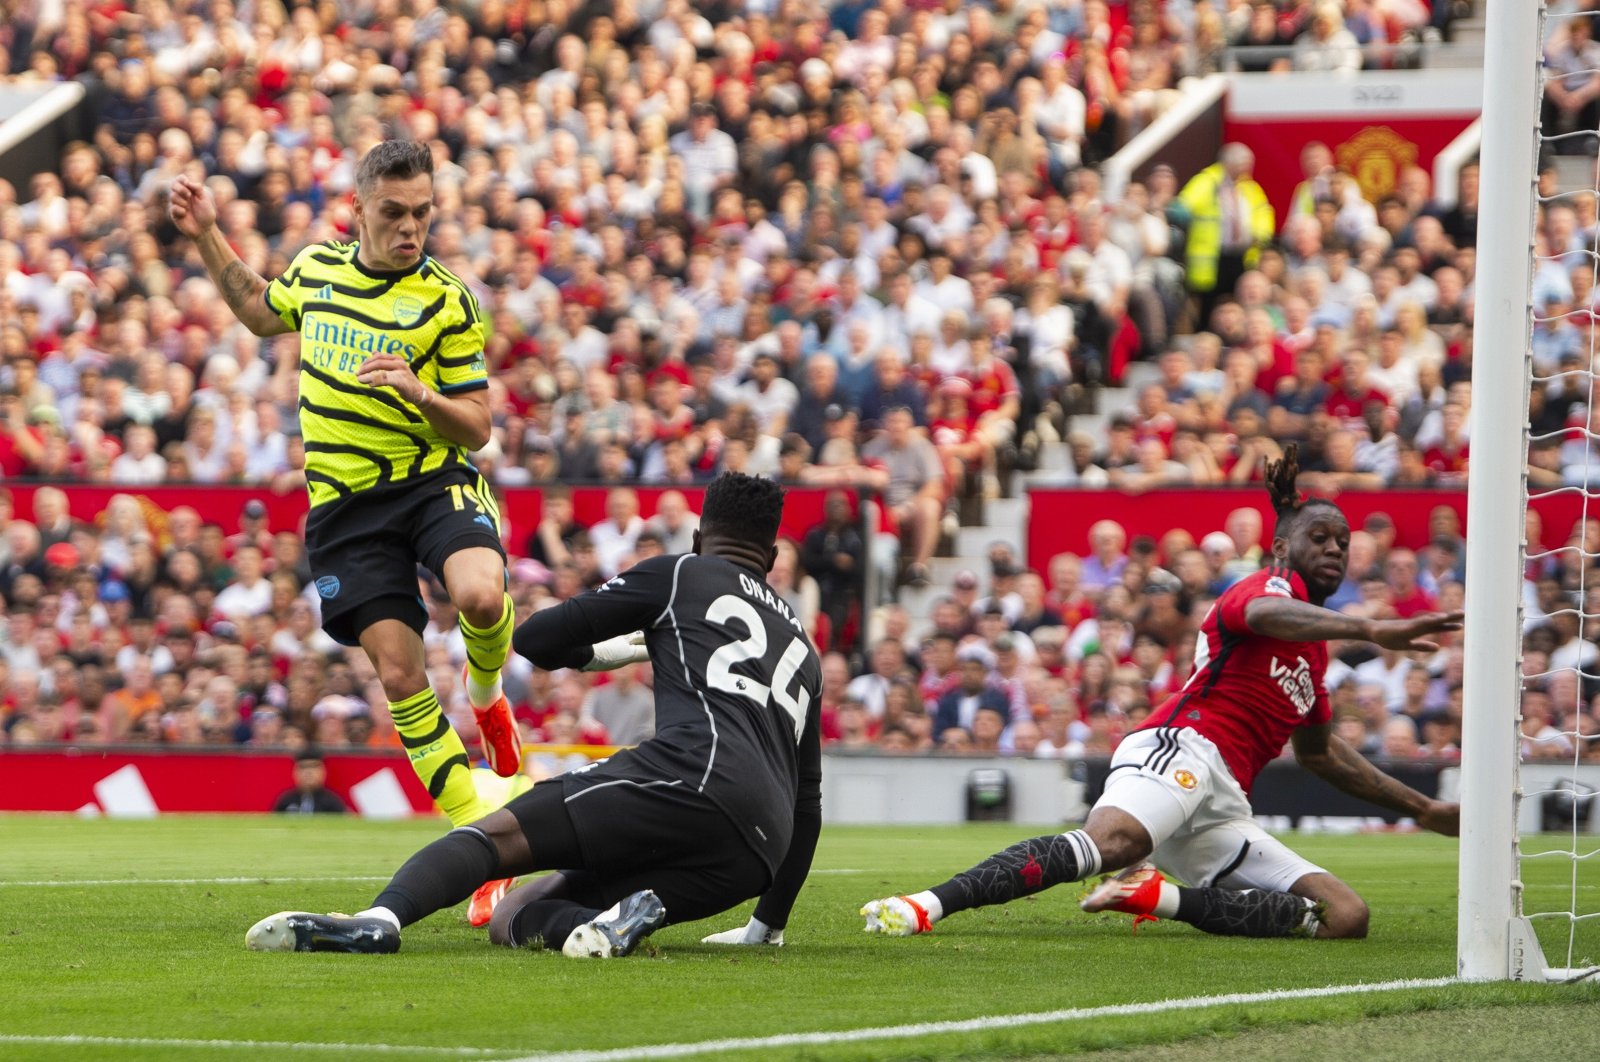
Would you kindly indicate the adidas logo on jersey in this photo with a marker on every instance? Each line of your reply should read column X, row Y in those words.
column 325, row 292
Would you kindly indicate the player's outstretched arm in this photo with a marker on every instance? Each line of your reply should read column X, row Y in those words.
column 618, row 652
column 194, row 211
column 579, row 630
column 1294, row 620
column 1322, row 752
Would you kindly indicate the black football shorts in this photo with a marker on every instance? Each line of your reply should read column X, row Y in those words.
column 364, row 549
column 612, row 836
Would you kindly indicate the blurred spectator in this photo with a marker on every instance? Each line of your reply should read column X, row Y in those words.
column 988, row 723
column 1106, row 561
column 1572, row 96
column 615, row 537
column 1228, row 219
column 310, row 793
column 832, row 553
column 623, row 706
column 1326, row 45
column 916, row 490
column 856, row 727
column 958, row 708
column 887, row 667
column 673, row 522
column 249, row 593
column 1400, row 740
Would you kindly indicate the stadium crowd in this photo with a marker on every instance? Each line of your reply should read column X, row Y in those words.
column 861, row 246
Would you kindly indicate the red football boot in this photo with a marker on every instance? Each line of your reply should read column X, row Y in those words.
column 1134, row 891
column 497, row 732
column 481, row 908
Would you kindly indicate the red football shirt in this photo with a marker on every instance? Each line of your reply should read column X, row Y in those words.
column 991, row 386
column 1249, row 692
column 1448, row 461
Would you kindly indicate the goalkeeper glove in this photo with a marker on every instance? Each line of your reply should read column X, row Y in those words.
column 618, row 652
column 755, row 932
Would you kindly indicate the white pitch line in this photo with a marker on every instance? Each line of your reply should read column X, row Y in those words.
column 252, row 1045
column 999, row 1021
column 813, row 1039
column 265, row 879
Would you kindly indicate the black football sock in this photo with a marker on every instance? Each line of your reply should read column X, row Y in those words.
column 441, row 875
column 549, row 922
column 1023, row 869
column 1251, row 913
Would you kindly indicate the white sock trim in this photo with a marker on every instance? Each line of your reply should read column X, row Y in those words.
column 1087, row 851
column 1167, row 905
column 480, row 695
column 381, row 913
column 930, row 903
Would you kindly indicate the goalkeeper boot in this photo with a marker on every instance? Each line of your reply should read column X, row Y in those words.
column 617, row 931
column 481, row 907
column 1134, row 891
column 497, row 731
column 302, row 931
column 896, row 916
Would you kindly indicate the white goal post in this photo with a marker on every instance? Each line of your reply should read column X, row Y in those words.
column 1495, row 938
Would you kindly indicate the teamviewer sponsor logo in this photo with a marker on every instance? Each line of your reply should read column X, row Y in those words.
column 1296, row 683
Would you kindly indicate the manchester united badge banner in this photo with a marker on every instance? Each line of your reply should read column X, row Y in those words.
column 1376, row 125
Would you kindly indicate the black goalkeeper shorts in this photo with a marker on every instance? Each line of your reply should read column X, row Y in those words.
column 628, row 837
column 364, row 549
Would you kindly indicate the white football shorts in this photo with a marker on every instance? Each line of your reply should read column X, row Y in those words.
column 1174, row 781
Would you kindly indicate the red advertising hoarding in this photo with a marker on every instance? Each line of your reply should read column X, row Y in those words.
column 92, row 781
column 521, row 506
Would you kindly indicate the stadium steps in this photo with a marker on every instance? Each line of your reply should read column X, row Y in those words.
column 918, row 603
column 1006, row 519
column 1054, row 458
column 975, row 541
column 1468, row 30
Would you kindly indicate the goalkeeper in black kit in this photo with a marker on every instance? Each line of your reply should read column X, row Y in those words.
column 721, row 805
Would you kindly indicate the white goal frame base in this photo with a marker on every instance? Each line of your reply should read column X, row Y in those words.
column 1525, row 959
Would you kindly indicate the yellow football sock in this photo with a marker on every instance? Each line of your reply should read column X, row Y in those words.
column 438, row 756
column 486, row 654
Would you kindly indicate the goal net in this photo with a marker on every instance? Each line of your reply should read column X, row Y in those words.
column 1529, row 902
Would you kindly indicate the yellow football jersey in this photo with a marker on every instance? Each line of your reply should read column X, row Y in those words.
column 358, row 436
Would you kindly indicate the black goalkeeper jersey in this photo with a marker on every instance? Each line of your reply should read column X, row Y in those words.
column 737, row 692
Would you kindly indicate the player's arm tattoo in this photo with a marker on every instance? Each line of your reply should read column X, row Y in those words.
column 1293, row 620
column 1342, row 767
column 240, row 286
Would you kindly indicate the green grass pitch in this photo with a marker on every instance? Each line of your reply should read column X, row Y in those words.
column 140, row 941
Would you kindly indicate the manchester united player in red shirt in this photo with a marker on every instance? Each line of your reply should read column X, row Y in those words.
column 1178, row 790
